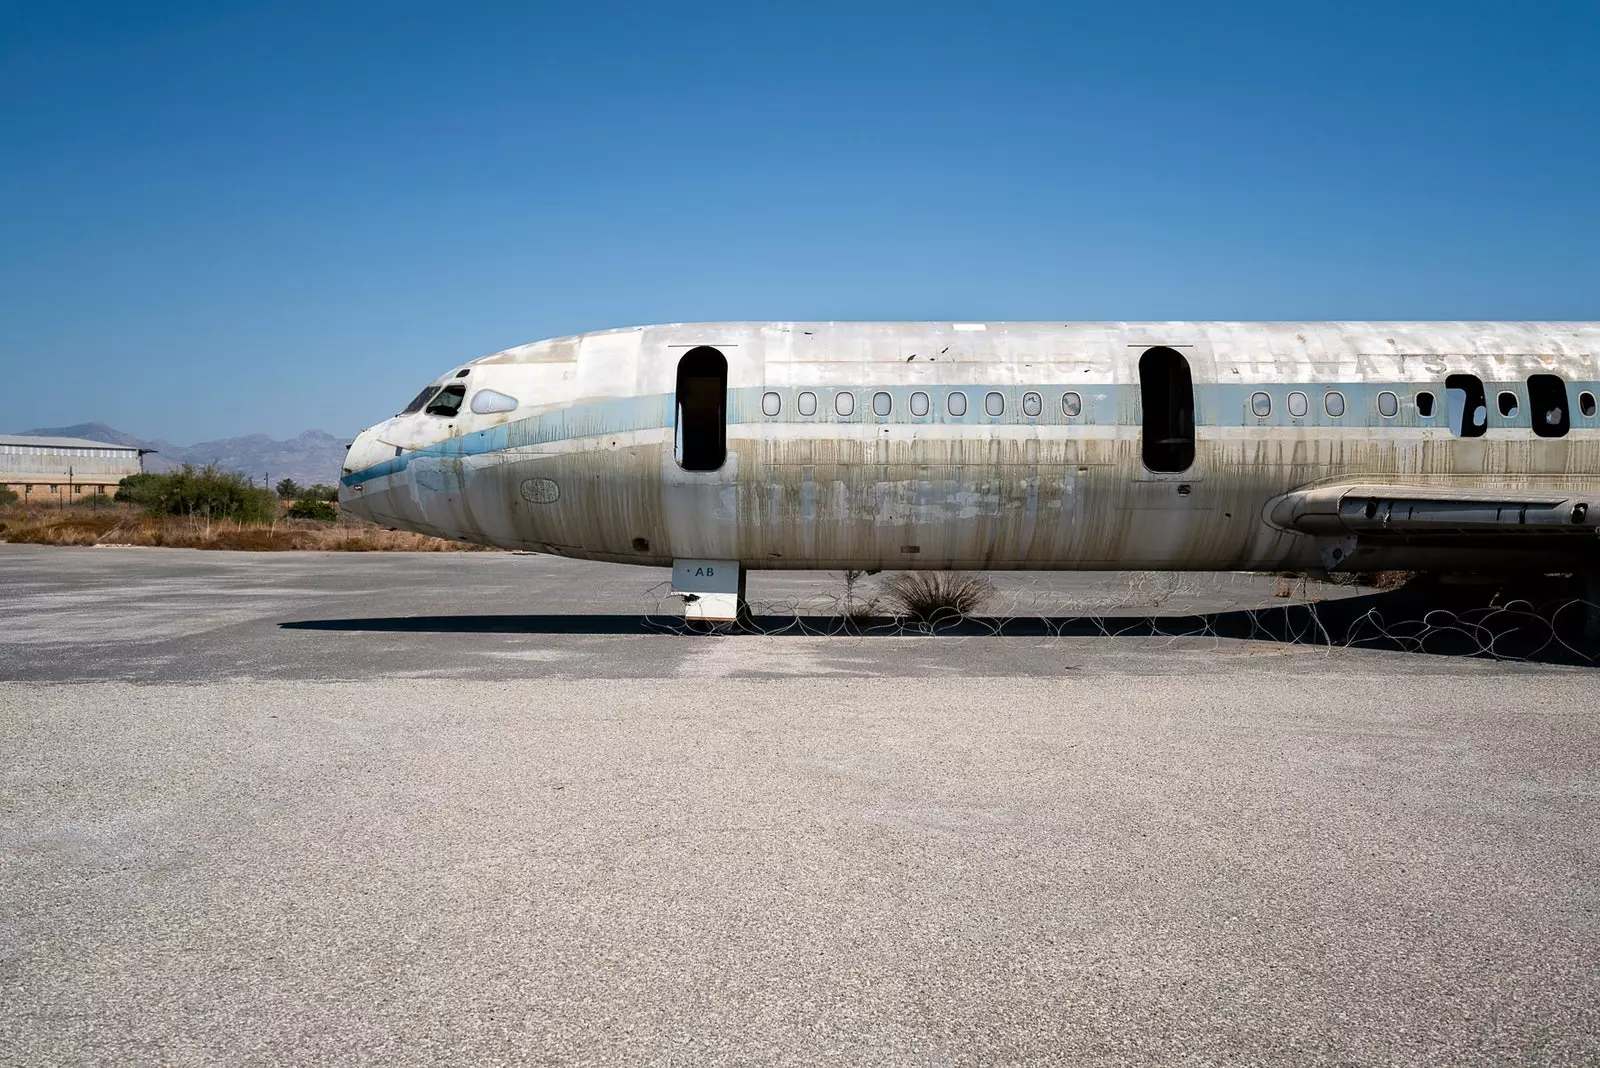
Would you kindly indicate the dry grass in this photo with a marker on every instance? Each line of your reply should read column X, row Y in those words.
column 854, row 606
column 1380, row 580
column 123, row 526
column 936, row 596
column 1392, row 580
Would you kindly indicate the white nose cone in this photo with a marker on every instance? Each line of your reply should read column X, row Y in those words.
column 364, row 452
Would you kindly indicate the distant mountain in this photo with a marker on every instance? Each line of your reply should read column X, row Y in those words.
column 313, row 457
column 97, row 432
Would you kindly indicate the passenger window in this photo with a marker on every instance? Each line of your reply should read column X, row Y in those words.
column 994, row 404
column 1586, row 404
column 488, row 402
column 1032, row 404
column 1467, row 405
column 1425, row 404
column 882, row 404
column 807, row 403
column 1260, row 404
column 919, row 404
column 1508, row 403
column 1333, row 403
column 1547, row 401
column 1298, row 404
column 844, row 404
column 771, row 404
column 1388, row 404
column 448, row 402
column 419, row 400
column 956, row 404
column 1071, row 405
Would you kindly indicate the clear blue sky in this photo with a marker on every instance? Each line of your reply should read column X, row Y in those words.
column 221, row 218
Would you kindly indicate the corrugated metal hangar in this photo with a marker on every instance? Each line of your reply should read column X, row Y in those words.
column 63, row 469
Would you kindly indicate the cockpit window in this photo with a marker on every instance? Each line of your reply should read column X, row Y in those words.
column 489, row 401
column 421, row 398
column 448, row 402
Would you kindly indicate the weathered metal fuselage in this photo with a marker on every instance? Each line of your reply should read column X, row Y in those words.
column 1044, row 469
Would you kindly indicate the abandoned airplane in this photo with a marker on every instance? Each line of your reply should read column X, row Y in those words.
column 717, row 448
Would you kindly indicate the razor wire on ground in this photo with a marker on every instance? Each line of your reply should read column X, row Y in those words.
column 1494, row 621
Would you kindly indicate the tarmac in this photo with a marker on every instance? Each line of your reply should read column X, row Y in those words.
column 485, row 808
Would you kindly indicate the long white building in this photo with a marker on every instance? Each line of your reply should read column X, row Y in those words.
column 64, row 469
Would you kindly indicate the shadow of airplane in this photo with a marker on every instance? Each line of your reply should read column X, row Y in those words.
column 1536, row 623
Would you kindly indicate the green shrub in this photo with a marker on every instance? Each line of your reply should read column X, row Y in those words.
column 8, row 496
column 290, row 490
column 200, row 491
column 140, row 489
column 309, row 509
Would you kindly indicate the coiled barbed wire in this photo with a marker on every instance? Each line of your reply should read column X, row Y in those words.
column 1423, row 619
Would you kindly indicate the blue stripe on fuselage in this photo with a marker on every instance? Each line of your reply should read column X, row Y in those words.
column 613, row 416
column 1216, row 404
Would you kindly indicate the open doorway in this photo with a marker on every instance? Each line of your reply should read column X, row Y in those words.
column 1166, row 392
column 1467, row 405
column 701, row 429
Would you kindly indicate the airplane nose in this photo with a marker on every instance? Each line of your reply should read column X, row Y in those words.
column 363, row 452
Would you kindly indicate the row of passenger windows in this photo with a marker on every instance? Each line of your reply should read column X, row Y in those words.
column 1300, row 404
column 955, row 404
column 1469, row 410
column 994, row 404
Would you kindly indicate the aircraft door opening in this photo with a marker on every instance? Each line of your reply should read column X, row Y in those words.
column 701, row 424
column 1166, row 393
column 1467, row 405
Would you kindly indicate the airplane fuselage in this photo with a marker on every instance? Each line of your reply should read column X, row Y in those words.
column 1176, row 445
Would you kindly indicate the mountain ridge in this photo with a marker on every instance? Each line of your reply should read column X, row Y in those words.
column 311, row 457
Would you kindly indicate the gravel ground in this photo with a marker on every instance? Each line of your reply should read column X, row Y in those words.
column 282, row 810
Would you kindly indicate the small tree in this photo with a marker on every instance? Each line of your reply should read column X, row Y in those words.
column 289, row 490
column 854, row 606
column 321, row 492
column 8, row 496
